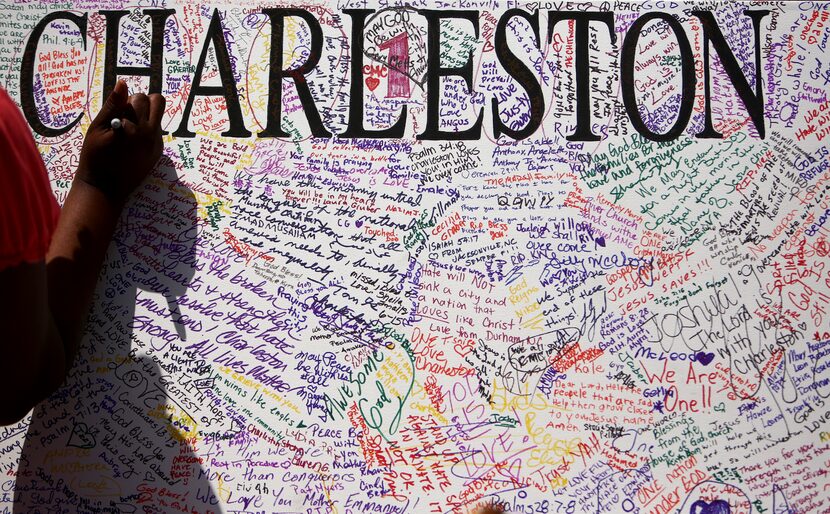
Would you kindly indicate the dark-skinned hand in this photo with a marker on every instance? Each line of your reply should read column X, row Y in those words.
column 116, row 161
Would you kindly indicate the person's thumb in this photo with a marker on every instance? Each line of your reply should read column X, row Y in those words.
column 114, row 105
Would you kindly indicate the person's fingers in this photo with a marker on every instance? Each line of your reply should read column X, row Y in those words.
column 128, row 113
column 113, row 106
column 157, row 103
column 141, row 106
column 128, row 129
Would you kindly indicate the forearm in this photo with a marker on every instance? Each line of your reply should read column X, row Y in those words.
column 48, row 302
column 32, row 347
column 77, row 251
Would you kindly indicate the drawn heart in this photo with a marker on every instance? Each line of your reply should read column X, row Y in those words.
column 463, row 349
column 372, row 83
column 600, row 241
column 149, row 477
column 716, row 507
column 704, row 358
column 81, row 437
column 358, row 223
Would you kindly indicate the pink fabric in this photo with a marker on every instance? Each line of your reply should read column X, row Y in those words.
column 28, row 209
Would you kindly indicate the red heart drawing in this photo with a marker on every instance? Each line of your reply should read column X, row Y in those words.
column 372, row 83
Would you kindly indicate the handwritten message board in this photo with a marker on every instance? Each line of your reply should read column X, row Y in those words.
column 566, row 257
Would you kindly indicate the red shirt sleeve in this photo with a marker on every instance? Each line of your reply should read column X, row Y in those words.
column 28, row 209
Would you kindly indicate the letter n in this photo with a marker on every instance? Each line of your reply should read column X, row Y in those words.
column 754, row 102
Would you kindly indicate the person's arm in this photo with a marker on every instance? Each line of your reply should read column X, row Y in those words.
column 112, row 164
column 44, row 304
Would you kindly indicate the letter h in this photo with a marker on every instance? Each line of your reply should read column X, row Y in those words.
column 111, row 67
